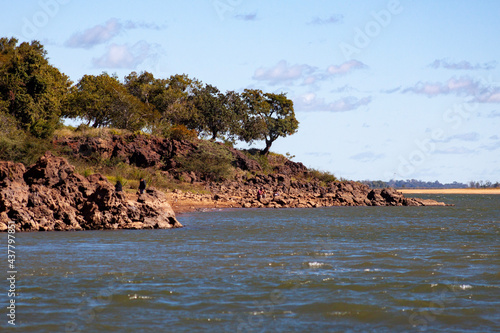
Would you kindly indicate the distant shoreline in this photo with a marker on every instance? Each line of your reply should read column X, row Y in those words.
column 451, row 191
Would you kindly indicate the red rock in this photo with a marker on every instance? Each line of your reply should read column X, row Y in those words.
column 51, row 196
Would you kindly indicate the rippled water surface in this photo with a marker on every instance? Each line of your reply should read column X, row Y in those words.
column 341, row 269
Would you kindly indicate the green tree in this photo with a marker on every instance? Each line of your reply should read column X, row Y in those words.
column 103, row 101
column 170, row 101
column 215, row 111
column 145, row 87
column 31, row 90
column 175, row 101
column 269, row 116
column 142, row 86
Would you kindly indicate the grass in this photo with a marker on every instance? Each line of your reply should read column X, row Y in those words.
column 89, row 132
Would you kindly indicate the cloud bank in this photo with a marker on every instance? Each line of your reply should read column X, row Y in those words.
column 479, row 92
column 462, row 65
column 104, row 33
column 124, row 56
column 310, row 102
column 284, row 73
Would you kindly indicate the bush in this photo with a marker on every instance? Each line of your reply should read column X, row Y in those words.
column 211, row 161
column 19, row 147
column 181, row 132
column 262, row 160
column 322, row 176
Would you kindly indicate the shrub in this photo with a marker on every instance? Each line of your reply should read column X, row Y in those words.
column 181, row 132
column 210, row 160
column 322, row 176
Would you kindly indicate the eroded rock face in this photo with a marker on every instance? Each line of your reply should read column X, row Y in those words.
column 140, row 151
column 51, row 196
column 283, row 192
column 239, row 192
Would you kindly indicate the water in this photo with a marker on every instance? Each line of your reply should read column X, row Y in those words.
column 341, row 269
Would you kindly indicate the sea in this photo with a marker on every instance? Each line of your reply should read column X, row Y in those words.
column 337, row 269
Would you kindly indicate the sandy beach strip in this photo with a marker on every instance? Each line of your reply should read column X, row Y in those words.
column 451, row 191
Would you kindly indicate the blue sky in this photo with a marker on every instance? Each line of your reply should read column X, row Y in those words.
column 382, row 89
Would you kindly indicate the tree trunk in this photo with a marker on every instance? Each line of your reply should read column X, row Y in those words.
column 265, row 151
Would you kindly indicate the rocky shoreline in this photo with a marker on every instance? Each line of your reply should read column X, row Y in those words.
column 289, row 180
column 244, row 195
column 51, row 196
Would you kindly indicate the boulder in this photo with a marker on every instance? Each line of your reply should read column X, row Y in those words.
column 243, row 162
column 51, row 196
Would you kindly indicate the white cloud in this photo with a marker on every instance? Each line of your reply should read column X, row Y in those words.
column 142, row 25
column 246, row 17
column 310, row 102
column 489, row 96
column 462, row 65
column 104, row 33
column 96, row 35
column 346, row 67
column 285, row 73
column 480, row 92
column 460, row 86
column 344, row 89
column 123, row 56
column 471, row 136
column 282, row 72
column 391, row 91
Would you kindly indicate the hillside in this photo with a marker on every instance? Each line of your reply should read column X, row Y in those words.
column 201, row 170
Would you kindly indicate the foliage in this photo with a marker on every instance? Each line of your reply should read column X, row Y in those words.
column 323, row 176
column 211, row 161
column 181, row 132
column 172, row 102
column 269, row 116
column 263, row 160
column 103, row 101
column 26, row 149
column 31, row 90
column 35, row 96
column 216, row 116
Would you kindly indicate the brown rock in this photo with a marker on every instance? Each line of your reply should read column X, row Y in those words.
column 50, row 196
column 243, row 162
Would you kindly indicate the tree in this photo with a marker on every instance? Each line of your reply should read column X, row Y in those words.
column 103, row 101
column 142, row 86
column 175, row 103
column 215, row 112
column 170, row 100
column 31, row 90
column 269, row 116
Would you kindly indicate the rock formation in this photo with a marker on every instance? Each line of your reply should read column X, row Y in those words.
column 281, row 191
column 51, row 196
column 289, row 179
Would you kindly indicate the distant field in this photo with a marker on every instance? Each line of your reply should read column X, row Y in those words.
column 452, row 191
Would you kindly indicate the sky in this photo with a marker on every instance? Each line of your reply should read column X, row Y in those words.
column 392, row 89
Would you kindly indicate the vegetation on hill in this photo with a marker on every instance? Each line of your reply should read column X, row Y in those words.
column 35, row 98
column 189, row 164
column 38, row 96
